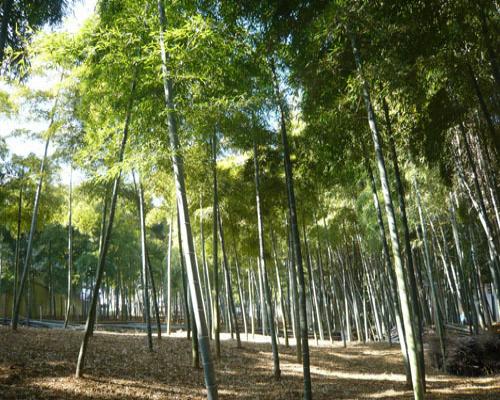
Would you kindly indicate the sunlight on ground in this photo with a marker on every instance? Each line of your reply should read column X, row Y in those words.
column 40, row 365
column 391, row 393
column 469, row 387
column 347, row 356
column 361, row 376
column 461, row 379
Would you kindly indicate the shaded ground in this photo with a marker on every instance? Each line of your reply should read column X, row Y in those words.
column 39, row 364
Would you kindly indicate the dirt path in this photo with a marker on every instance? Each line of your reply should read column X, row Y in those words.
column 39, row 364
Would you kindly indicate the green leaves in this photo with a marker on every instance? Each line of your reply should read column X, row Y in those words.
column 7, row 105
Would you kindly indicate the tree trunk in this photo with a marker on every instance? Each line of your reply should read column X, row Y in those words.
column 89, row 327
column 250, row 303
column 393, row 294
column 347, row 314
column 229, row 287
column 101, row 245
column 322, row 292
column 438, row 315
column 240, row 294
column 34, row 218
column 449, row 271
column 52, row 299
column 461, row 281
column 4, row 28
column 477, row 277
column 262, row 307
column 155, row 296
column 215, row 245
column 188, row 246
column 29, row 299
column 144, row 262
column 296, row 243
column 406, row 234
column 312, row 288
column 195, row 353
column 185, row 289
column 208, row 290
column 169, row 276
column 485, row 222
column 372, row 295
column 18, row 243
column 70, row 248
column 418, row 388
column 280, row 290
column 294, row 294
column 267, row 290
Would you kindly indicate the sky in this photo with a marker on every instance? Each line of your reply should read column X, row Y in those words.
column 80, row 11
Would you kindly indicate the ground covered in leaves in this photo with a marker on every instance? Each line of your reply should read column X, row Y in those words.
column 40, row 363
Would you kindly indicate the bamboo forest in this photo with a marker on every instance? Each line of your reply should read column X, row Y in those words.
column 260, row 199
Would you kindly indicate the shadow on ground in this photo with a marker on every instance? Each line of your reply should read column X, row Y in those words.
column 39, row 363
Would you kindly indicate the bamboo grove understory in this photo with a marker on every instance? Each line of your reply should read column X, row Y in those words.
column 308, row 171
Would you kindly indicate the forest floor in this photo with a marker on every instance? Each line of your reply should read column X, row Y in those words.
column 40, row 363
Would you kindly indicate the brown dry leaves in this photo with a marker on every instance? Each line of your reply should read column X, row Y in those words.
column 39, row 364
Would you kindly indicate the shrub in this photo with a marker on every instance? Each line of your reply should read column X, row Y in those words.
column 469, row 355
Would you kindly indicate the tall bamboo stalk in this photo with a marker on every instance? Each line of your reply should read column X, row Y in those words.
column 70, row 248
column 262, row 263
column 304, row 331
column 106, row 237
column 34, row 219
column 187, row 241
column 417, row 381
